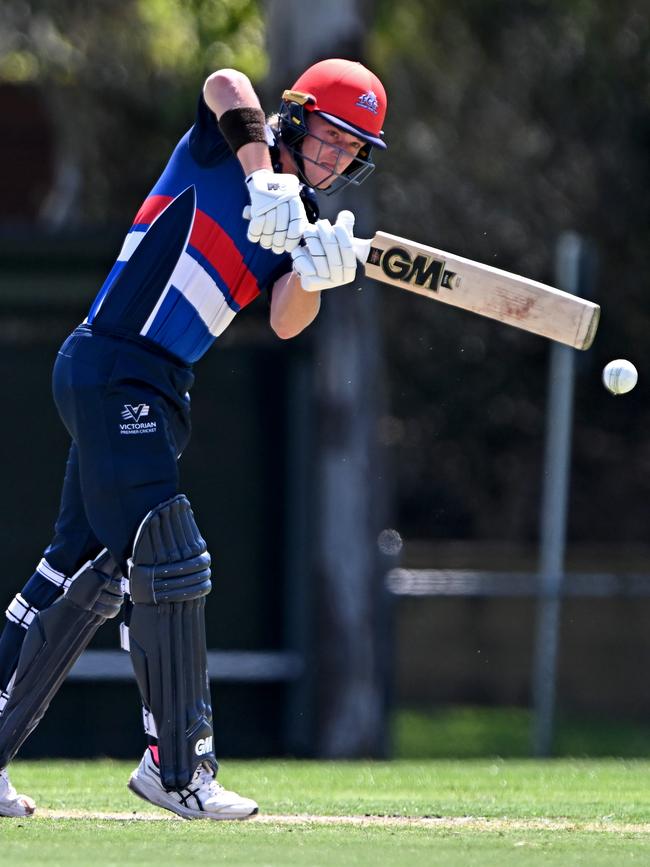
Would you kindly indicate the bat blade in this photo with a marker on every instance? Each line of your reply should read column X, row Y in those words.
column 482, row 289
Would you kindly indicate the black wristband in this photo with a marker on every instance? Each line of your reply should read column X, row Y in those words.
column 241, row 126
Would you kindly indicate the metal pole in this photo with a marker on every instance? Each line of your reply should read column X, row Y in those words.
column 555, row 495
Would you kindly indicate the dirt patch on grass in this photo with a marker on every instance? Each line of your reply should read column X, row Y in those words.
column 470, row 823
column 134, row 815
column 442, row 823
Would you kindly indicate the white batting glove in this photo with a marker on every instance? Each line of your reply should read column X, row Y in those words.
column 276, row 212
column 326, row 259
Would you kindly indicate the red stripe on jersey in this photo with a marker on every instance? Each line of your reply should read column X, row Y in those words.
column 150, row 209
column 215, row 244
column 218, row 248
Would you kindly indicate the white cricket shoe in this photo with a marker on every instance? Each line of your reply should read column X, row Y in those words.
column 204, row 797
column 11, row 803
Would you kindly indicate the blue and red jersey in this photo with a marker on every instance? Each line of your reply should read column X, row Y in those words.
column 218, row 271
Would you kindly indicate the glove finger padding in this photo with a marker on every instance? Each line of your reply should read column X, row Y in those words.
column 330, row 244
column 348, row 262
column 282, row 218
column 298, row 223
column 344, row 231
column 303, row 263
column 268, row 231
column 279, row 239
column 345, row 219
column 318, row 254
column 255, row 228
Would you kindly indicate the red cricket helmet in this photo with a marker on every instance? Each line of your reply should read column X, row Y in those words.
column 347, row 94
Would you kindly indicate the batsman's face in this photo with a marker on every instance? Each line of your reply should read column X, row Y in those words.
column 327, row 151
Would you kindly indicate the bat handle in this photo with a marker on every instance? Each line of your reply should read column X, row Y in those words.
column 361, row 249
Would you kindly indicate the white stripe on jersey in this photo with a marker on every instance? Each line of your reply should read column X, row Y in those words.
column 147, row 325
column 130, row 245
column 195, row 284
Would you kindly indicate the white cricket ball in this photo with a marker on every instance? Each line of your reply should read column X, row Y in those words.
column 620, row 376
column 389, row 542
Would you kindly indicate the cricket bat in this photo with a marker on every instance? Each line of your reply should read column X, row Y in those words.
column 485, row 290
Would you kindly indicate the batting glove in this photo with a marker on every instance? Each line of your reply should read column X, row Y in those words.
column 326, row 259
column 276, row 212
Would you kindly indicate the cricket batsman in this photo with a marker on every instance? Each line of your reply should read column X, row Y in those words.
column 233, row 214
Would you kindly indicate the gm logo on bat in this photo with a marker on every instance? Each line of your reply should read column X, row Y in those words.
column 398, row 264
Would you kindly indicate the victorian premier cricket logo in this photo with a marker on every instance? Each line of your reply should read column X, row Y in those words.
column 133, row 415
column 425, row 271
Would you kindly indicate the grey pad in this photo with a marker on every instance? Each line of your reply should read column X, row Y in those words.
column 55, row 639
column 169, row 577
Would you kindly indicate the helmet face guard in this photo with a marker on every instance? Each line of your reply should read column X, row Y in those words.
column 294, row 127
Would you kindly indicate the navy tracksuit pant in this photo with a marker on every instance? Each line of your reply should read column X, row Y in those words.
column 127, row 408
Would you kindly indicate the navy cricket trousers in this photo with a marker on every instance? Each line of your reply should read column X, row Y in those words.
column 127, row 408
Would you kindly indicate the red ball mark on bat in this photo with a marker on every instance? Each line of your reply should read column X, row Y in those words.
column 520, row 310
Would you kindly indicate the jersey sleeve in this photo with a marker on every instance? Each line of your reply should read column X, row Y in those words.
column 207, row 145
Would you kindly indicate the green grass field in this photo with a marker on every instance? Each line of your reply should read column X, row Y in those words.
column 430, row 812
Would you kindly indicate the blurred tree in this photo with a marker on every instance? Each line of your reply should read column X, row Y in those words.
column 509, row 122
column 120, row 80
